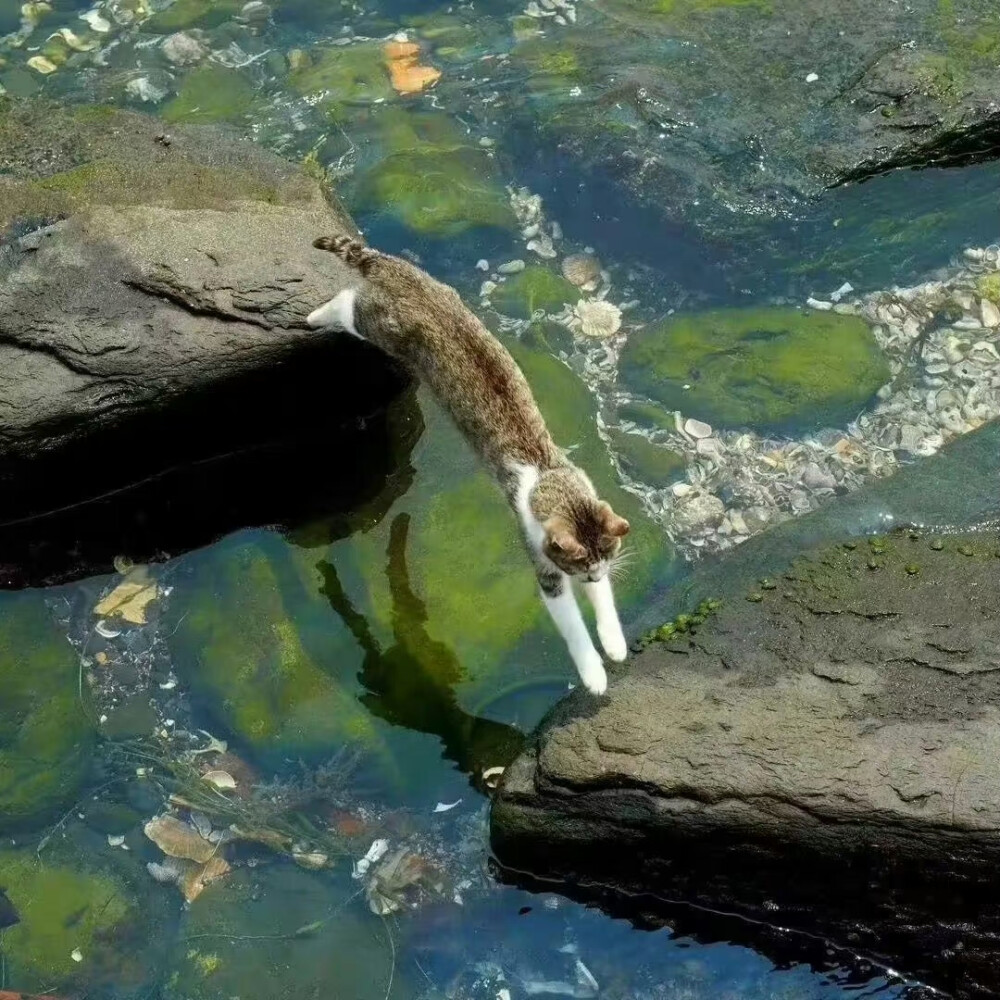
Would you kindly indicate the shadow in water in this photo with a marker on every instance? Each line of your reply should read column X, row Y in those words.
column 411, row 683
column 281, row 448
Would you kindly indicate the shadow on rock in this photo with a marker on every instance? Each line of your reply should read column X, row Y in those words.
column 274, row 448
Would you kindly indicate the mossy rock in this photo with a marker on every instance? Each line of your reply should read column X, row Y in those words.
column 768, row 368
column 649, row 463
column 45, row 737
column 250, row 948
column 58, row 160
column 62, row 910
column 210, row 94
column 647, row 415
column 347, row 74
column 241, row 644
column 431, row 180
column 988, row 287
column 533, row 289
column 183, row 14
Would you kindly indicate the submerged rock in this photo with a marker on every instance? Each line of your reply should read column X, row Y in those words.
column 536, row 288
column 821, row 755
column 242, row 643
column 764, row 368
column 431, row 179
column 45, row 735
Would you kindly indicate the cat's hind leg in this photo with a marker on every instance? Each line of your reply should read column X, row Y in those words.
column 557, row 593
column 340, row 313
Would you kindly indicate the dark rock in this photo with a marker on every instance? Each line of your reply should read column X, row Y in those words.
column 821, row 761
column 152, row 307
column 700, row 108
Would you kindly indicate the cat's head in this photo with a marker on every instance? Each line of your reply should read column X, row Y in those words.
column 584, row 540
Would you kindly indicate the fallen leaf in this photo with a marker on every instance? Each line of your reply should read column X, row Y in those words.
column 130, row 598
column 443, row 807
column 179, row 840
column 195, row 881
column 408, row 76
column 269, row 838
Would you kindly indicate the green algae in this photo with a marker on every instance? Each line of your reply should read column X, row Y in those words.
column 107, row 157
column 647, row 415
column 345, row 75
column 764, row 367
column 645, row 461
column 536, row 288
column 240, row 644
column 210, row 94
column 988, row 287
column 62, row 911
column 247, row 926
column 45, row 737
column 183, row 14
column 431, row 180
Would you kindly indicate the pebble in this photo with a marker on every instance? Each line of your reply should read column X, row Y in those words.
column 989, row 313
column 697, row 428
column 183, row 49
column 482, row 265
column 542, row 246
column 818, row 478
column 819, row 305
column 511, row 267
column 812, row 77
column 701, row 511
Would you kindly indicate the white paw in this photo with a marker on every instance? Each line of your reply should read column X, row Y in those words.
column 591, row 670
column 613, row 641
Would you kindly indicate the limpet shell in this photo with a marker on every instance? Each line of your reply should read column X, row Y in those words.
column 581, row 269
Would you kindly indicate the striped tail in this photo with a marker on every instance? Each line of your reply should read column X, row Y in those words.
column 349, row 250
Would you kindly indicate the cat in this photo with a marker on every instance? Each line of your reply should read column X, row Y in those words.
column 570, row 533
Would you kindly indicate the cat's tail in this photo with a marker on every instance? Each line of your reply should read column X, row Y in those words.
column 349, row 250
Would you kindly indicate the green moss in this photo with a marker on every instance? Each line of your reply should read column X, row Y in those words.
column 533, row 289
column 767, row 367
column 649, row 463
column 677, row 9
column 550, row 58
column 647, row 415
column 549, row 336
column 251, row 919
column 431, row 180
column 989, row 287
column 62, row 910
column 349, row 74
column 183, row 14
column 210, row 94
column 240, row 648
column 44, row 735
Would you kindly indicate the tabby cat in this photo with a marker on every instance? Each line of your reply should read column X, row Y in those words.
column 570, row 533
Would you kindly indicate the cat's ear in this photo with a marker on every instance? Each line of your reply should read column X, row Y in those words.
column 612, row 524
column 560, row 535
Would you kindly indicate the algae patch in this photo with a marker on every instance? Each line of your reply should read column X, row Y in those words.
column 764, row 367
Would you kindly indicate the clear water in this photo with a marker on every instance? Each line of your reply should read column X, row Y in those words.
column 398, row 621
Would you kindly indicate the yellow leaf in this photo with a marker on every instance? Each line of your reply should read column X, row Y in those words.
column 194, row 881
column 130, row 598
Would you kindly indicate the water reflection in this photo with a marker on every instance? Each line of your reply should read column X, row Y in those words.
column 412, row 682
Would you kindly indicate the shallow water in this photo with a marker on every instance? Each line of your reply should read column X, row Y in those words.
column 392, row 616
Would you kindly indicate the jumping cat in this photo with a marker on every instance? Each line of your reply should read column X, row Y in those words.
column 570, row 533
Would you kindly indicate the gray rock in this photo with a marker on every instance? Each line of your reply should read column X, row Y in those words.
column 824, row 758
column 175, row 265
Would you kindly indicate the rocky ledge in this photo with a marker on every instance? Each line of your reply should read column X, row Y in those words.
column 153, row 295
column 815, row 754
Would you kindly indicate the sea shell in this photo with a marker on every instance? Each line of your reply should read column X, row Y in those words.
column 42, row 65
column 697, row 428
column 582, row 269
column 597, row 319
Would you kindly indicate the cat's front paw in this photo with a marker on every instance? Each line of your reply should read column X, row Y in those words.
column 613, row 641
column 591, row 670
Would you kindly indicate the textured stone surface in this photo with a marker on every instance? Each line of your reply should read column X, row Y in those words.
column 822, row 756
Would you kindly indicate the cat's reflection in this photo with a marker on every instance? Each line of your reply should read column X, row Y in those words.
column 411, row 683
